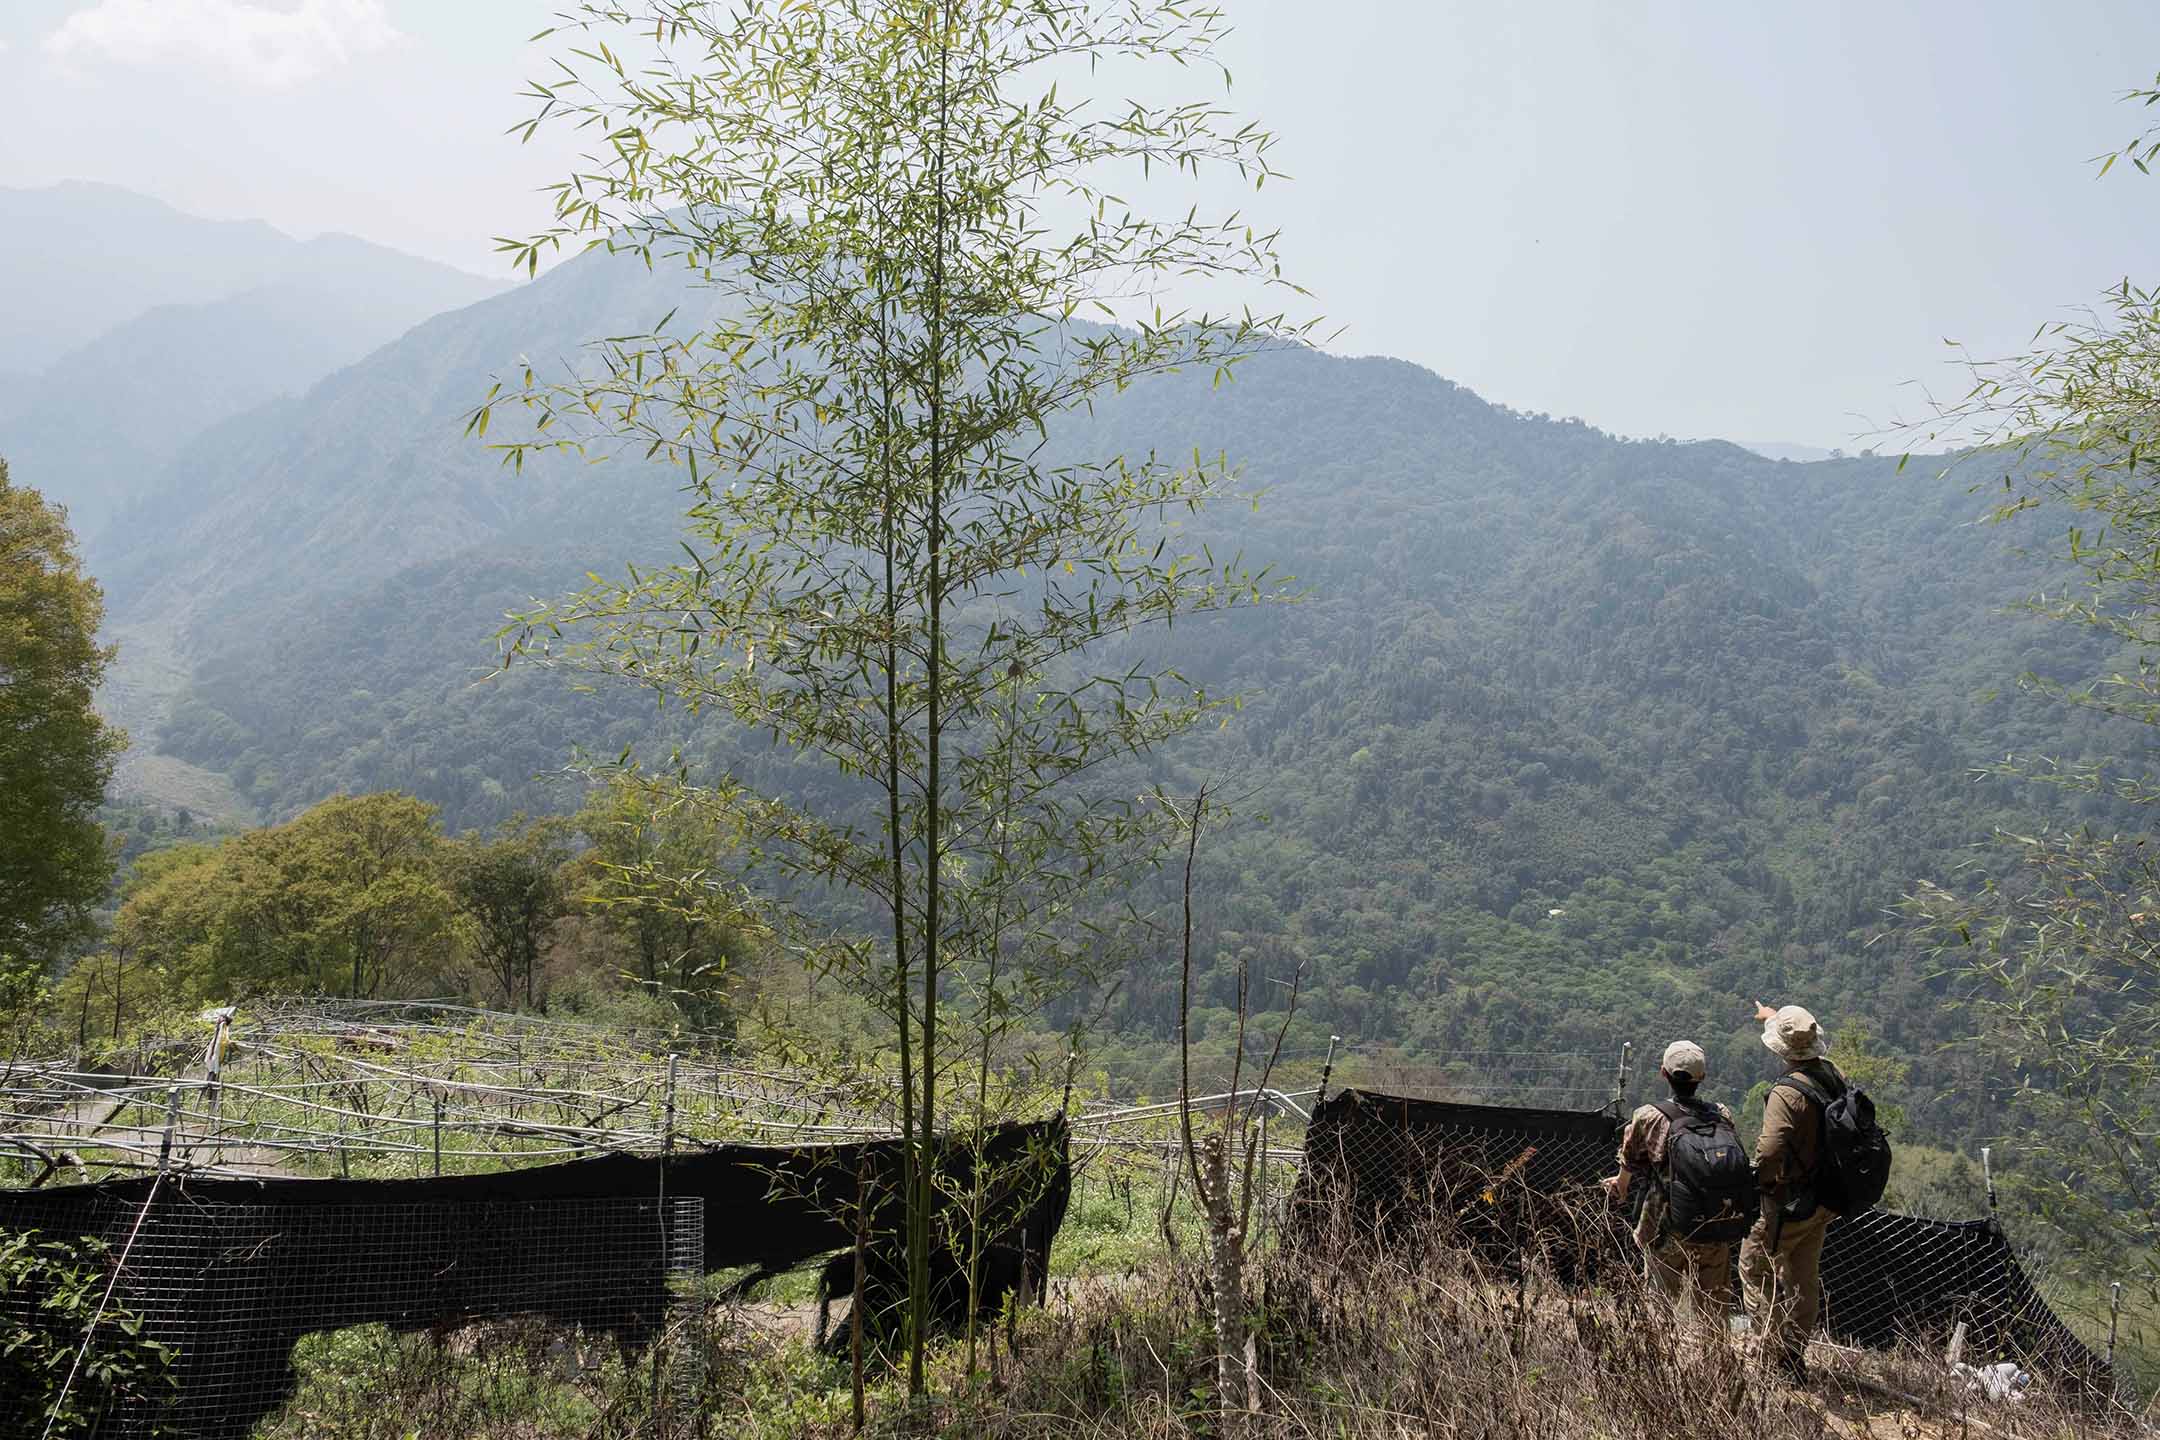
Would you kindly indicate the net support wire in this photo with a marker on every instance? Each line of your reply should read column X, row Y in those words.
column 112, row 1283
column 1278, row 1102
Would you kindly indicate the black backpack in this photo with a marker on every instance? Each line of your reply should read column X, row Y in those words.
column 1855, row 1166
column 1710, row 1193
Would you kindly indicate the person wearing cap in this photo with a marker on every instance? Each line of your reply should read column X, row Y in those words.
column 1781, row 1259
column 1677, row 1266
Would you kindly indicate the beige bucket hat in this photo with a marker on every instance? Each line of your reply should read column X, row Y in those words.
column 1685, row 1057
column 1793, row 1035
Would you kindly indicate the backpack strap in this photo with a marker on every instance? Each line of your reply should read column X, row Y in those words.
column 1807, row 1085
column 1821, row 1102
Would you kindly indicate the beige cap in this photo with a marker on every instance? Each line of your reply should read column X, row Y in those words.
column 1684, row 1057
column 1793, row 1035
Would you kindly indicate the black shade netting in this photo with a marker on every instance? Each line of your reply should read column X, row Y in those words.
column 1511, row 1183
column 1891, row 1279
column 231, row 1273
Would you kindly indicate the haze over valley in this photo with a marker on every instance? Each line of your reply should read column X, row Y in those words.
column 951, row 649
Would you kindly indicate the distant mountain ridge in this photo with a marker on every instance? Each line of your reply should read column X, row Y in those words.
column 82, row 257
column 139, row 327
column 1783, row 450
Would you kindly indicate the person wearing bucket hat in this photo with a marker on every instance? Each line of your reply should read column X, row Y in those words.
column 1682, row 1163
column 1781, row 1259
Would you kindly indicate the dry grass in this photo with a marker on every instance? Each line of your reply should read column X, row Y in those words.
column 1359, row 1342
column 1354, row 1342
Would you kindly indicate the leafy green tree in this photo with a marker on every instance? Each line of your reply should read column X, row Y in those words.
column 906, row 222
column 347, row 899
column 2063, row 949
column 169, row 913
column 509, row 892
column 654, row 871
column 56, row 755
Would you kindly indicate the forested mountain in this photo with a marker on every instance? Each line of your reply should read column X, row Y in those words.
column 136, row 328
column 1575, row 739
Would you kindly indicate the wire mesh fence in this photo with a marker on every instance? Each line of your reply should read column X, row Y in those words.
column 264, row 1304
column 1506, row 1146
column 1517, row 1183
column 555, row 1286
column 1892, row 1279
column 1521, row 1185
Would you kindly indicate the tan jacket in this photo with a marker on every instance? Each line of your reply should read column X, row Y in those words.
column 1642, row 1157
column 1791, row 1145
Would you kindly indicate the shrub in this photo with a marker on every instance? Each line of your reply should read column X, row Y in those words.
column 50, row 1290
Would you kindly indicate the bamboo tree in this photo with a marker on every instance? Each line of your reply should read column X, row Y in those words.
column 909, row 264
column 2059, row 955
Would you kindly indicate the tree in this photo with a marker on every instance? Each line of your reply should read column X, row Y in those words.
column 2063, row 950
column 905, row 221
column 169, row 913
column 56, row 755
column 653, row 871
column 510, row 892
column 346, row 899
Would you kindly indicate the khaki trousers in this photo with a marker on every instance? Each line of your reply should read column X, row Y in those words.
column 1784, row 1286
column 1702, row 1272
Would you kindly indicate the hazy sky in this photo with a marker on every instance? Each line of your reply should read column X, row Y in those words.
column 1751, row 220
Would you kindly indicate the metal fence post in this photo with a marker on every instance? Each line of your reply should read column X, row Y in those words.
column 667, row 1122
column 1620, row 1077
column 2114, row 1319
column 1987, row 1175
column 172, row 1119
column 667, row 1147
column 1327, row 1068
column 438, row 1134
column 216, row 1072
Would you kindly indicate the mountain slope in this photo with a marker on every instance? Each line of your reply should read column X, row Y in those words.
column 81, row 258
column 101, row 420
column 1576, row 739
column 372, row 469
